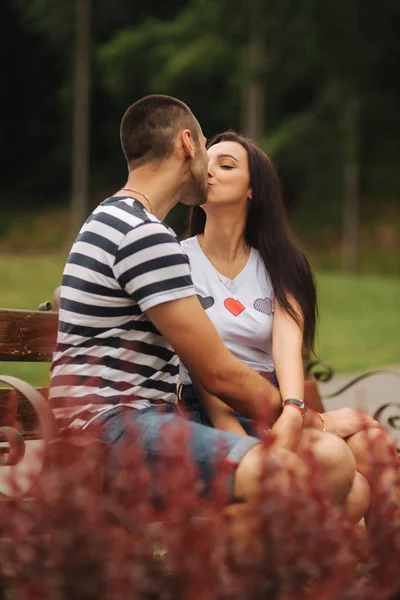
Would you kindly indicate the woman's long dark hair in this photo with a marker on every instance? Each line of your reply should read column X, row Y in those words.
column 267, row 230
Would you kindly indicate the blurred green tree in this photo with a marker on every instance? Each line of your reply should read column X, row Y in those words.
column 314, row 83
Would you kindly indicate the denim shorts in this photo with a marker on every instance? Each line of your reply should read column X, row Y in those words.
column 149, row 428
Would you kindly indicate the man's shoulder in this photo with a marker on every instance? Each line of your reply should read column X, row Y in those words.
column 131, row 215
column 130, row 211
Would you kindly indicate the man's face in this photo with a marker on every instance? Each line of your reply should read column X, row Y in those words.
column 195, row 187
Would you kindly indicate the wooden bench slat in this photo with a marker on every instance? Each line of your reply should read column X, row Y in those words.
column 27, row 335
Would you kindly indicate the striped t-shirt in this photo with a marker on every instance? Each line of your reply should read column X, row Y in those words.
column 123, row 262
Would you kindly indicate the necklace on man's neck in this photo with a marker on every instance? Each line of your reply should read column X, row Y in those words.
column 145, row 196
column 236, row 263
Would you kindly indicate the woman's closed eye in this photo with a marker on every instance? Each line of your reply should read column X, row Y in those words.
column 227, row 167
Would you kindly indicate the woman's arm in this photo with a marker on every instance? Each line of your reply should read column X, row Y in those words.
column 220, row 414
column 287, row 343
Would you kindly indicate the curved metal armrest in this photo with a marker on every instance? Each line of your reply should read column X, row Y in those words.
column 22, row 463
column 49, row 427
column 388, row 415
column 318, row 370
column 361, row 377
column 16, row 450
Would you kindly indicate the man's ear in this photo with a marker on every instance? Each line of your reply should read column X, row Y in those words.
column 187, row 144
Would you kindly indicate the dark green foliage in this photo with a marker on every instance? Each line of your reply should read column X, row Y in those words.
column 320, row 60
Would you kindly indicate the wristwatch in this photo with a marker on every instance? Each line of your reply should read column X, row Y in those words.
column 299, row 404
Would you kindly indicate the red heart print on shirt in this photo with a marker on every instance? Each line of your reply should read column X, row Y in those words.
column 235, row 307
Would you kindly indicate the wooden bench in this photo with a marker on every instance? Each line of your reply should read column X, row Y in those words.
column 30, row 336
column 27, row 424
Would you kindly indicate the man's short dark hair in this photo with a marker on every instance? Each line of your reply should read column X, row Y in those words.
column 149, row 127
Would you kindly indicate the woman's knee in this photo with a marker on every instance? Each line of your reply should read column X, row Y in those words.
column 272, row 461
column 374, row 442
column 335, row 460
column 358, row 501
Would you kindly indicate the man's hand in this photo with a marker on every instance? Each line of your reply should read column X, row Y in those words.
column 288, row 428
column 346, row 422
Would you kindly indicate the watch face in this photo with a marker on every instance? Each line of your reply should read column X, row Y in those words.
column 295, row 402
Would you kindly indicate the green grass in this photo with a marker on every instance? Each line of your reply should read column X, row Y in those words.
column 25, row 282
column 359, row 316
column 359, row 321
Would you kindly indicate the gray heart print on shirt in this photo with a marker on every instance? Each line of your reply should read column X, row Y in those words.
column 206, row 301
column 263, row 305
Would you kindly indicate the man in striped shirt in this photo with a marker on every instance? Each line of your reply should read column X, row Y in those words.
column 128, row 308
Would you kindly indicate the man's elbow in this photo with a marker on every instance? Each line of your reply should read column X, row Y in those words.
column 221, row 381
column 216, row 383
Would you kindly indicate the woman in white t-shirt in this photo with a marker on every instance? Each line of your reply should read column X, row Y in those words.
column 258, row 289
column 250, row 274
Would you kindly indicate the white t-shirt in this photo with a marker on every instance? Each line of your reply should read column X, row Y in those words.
column 241, row 309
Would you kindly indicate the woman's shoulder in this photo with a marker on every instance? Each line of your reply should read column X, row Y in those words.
column 258, row 260
column 261, row 269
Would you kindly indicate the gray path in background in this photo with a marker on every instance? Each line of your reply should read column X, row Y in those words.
column 369, row 394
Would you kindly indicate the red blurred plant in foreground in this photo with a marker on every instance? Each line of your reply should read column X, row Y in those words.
column 71, row 540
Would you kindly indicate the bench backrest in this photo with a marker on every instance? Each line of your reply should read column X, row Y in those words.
column 27, row 335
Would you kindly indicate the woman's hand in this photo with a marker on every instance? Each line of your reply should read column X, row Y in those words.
column 346, row 421
column 287, row 428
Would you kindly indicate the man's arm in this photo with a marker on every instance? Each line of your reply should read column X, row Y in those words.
column 190, row 332
column 287, row 428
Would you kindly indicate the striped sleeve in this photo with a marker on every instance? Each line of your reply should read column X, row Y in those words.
column 151, row 266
